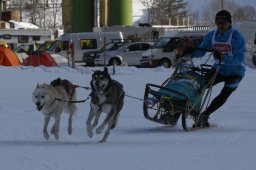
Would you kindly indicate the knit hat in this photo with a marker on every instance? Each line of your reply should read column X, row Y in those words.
column 223, row 15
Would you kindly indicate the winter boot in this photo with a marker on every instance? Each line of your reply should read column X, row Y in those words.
column 202, row 121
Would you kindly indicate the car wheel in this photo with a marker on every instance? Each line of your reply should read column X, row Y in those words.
column 114, row 61
column 165, row 63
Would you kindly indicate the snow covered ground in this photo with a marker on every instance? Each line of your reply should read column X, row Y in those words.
column 136, row 143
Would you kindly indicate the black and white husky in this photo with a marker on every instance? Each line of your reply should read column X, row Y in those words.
column 107, row 96
column 52, row 99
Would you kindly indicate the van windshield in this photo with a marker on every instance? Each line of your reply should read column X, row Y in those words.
column 46, row 45
column 162, row 42
column 53, row 45
column 59, row 46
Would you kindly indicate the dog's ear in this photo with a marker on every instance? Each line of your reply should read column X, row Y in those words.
column 37, row 85
column 92, row 87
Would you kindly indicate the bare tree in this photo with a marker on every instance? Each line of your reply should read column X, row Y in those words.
column 37, row 11
column 195, row 18
column 208, row 12
column 33, row 11
column 151, row 6
column 244, row 13
column 206, row 16
column 55, row 9
column 160, row 11
column 17, row 5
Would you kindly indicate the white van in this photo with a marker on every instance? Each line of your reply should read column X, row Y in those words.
column 83, row 42
column 163, row 53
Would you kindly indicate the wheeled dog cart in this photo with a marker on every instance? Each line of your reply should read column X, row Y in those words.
column 184, row 93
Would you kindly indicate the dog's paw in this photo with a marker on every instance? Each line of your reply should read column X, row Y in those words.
column 56, row 135
column 102, row 141
column 99, row 129
column 46, row 135
column 89, row 131
column 69, row 130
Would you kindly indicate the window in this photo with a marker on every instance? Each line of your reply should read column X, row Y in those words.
column 65, row 45
column 171, row 45
column 134, row 47
column 36, row 38
column 7, row 36
column 88, row 44
column 22, row 39
column 145, row 47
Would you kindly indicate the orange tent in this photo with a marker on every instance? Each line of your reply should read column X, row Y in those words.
column 40, row 58
column 8, row 57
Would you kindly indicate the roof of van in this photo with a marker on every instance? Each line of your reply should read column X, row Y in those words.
column 115, row 35
column 185, row 33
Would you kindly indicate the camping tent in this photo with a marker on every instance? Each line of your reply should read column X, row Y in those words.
column 8, row 57
column 40, row 58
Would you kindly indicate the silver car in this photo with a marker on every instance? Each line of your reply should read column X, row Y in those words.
column 128, row 54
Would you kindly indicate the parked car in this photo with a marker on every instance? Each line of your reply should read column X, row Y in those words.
column 90, row 56
column 24, row 50
column 164, row 51
column 128, row 54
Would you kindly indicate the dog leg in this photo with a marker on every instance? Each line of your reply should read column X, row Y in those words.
column 46, row 122
column 104, row 139
column 71, row 110
column 57, row 125
column 53, row 129
column 106, row 120
column 97, row 116
column 88, row 123
column 70, row 124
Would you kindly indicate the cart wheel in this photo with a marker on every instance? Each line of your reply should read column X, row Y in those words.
column 187, row 120
column 184, row 121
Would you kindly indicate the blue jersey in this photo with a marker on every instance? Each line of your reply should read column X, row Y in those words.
column 232, row 45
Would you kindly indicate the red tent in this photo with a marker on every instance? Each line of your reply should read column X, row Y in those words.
column 40, row 58
column 8, row 57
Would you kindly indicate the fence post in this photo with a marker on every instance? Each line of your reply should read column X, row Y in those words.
column 72, row 51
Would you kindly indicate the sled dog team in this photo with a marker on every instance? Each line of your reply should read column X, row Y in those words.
column 107, row 95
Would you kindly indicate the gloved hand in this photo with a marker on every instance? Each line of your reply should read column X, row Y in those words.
column 217, row 54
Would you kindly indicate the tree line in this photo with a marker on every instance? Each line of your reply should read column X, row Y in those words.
column 47, row 13
column 162, row 12
column 43, row 13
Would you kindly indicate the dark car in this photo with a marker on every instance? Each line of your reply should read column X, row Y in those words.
column 89, row 56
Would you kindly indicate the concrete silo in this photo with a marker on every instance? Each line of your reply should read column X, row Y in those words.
column 120, row 12
column 83, row 15
column 67, row 15
column 104, row 12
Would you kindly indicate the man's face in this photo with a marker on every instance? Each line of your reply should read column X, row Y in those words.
column 222, row 25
